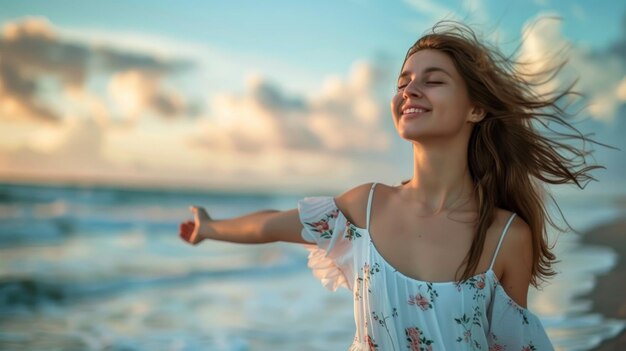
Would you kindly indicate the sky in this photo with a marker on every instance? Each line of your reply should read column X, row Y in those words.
column 279, row 96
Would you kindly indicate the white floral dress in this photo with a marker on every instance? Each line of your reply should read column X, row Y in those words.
column 395, row 312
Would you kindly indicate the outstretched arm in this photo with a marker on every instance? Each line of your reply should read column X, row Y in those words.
column 253, row 228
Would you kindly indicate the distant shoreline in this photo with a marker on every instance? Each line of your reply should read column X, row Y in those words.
column 153, row 184
column 609, row 294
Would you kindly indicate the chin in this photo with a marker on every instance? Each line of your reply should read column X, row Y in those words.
column 410, row 136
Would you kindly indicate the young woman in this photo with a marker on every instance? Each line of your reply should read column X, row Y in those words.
column 444, row 260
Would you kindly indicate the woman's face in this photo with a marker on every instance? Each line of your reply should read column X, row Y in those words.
column 432, row 99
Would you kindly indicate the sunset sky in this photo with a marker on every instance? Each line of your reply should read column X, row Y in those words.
column 260, row 95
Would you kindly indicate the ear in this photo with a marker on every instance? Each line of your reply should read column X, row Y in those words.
column 477, row 114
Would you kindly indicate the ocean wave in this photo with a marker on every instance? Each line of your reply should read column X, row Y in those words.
column 29, row 292
column 20, row 292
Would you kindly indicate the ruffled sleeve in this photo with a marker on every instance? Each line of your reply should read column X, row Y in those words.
column 330, row 256
column 514, row 327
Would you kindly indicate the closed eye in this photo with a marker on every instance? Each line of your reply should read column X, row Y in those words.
column 434, row 82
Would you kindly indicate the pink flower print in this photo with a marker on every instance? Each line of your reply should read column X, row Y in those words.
column 479, row 283
column 526, row 348
column 420, row 301
column 467, row 336
column 413, row 336
column 496, row 347
column 321, row 226
column 416, row 340
column 334, row 213
column 370, row 342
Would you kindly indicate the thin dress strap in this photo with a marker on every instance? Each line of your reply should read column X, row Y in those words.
column 493, row 260
column 369, row 207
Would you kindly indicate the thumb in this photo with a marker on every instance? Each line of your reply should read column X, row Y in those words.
column 199, row 212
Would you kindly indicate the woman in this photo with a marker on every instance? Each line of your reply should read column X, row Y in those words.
column 444, row 260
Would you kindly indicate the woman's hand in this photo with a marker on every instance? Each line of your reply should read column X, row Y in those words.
column 197, row 230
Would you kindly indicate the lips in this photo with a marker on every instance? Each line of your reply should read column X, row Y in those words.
column 414, row 111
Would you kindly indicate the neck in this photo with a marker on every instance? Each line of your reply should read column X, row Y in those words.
column 441, row 179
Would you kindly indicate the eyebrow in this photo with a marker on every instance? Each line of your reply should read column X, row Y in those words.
column 427, row 70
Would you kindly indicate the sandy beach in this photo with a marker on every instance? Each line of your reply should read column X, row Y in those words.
column 609, row 295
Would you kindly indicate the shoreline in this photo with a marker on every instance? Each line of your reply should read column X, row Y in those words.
column 608, row 297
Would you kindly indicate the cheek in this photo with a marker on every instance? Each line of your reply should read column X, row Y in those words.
column 396, row 103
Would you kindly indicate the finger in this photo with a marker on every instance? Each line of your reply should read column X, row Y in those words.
column 185, row 235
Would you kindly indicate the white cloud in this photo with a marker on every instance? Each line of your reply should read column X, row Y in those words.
column 343, row 116
column 599, row 74
column 259, row 135
column 136, row 93
column 33, row 52
column 621, row 90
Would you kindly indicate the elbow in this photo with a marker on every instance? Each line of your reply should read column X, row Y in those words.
column 267, row 232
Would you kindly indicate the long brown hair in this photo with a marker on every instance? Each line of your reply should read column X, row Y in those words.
column 508, row 158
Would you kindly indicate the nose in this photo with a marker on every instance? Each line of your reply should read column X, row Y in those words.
column 411, row 89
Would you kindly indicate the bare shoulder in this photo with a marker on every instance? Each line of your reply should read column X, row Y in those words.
column 518, row 236
column 353, row 204
column 516, row 254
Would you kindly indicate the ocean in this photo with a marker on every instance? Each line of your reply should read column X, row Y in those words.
column 103, row 268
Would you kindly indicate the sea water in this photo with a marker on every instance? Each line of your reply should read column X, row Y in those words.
column 95, row 268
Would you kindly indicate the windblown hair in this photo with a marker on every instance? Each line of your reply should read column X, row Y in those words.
column 508, row 158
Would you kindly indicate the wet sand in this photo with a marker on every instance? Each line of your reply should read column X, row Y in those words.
column 609, row 295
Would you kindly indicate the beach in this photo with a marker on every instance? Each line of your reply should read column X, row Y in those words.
column 609, row 294
column 103, row 268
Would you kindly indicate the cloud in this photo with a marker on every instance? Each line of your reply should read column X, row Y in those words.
column 135, row 92
column 344, row 116
column 98, row 99
column 73, row 146
column 600, row 72
column 33, row 52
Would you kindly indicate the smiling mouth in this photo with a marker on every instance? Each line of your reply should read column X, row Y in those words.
column 414, row 112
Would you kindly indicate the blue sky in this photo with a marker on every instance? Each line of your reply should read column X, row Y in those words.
column 250, row 94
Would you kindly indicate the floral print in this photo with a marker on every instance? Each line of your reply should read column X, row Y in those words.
column 495, row 345
column 368, row 272
column 322, row 226
column 420, row 301
column 423, row 302
column 399, row 308
column 365, row 280
column 476, row 283
column 416, row 341
column 357, row 289
column 382, row 321
column 519, row 310
column 370, row 343
column 467, row 325
column 351, row 232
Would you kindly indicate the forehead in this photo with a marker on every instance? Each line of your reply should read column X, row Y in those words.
column 428, row 58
